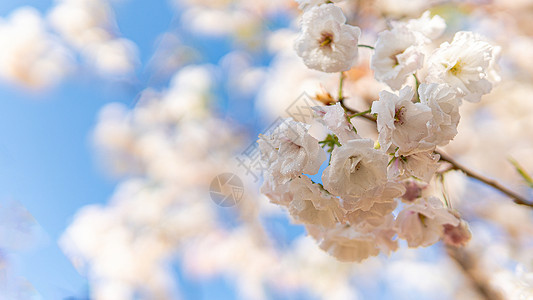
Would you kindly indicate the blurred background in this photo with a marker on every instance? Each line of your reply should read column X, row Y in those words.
column 118, row 116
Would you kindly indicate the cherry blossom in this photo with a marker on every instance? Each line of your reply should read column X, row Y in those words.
column 325, row 42
column 463, row 64
column 355, row 169
column 334, row 118
column 398, row 54
column 422, row 223
column 401, row 123
column 290, row 151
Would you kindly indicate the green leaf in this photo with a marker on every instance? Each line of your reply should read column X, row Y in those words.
column 527, row 178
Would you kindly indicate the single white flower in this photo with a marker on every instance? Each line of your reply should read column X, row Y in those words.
column 308, row 4
column 444, row 104
column 421, row 165
column 290, row 151
column 402, row 123
column 334, row 118
column 421, row 224
column 325, row 42
column 464, row 65
column 398, row 54
column 313, row 205
column 355, row 169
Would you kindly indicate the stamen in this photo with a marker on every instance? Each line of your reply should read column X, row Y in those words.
column 398, row 115
column 355, row 164
column 456, row 69
column 326, row 39
column 394, row 57
column 422, row 219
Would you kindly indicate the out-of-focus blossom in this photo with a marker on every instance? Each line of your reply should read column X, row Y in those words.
column 402, row 8
column 149, row 217
column 89, row 26
column 31, row 56
column 308, row 4
column 170, row 55
column 515, row 285
column 124, row 248
column 19, row 232
column 214, row 22
column 432, row 28
column 288, row 82
column 243, row 21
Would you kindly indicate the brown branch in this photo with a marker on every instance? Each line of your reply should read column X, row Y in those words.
column 496, row 185
column 518, row 199
column 468, row 264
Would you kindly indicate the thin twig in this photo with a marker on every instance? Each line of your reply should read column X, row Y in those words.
column 457, row 166
column 518, row 199
column 355, row 113
column 359, row 114
column 365, row 46
column 417, row 82
column 341, row 81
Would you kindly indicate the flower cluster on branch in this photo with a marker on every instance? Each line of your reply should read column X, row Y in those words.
column 374, row 193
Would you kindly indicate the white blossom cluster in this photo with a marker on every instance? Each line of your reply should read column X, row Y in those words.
column 241, row 20
column 374, row 193
column 89, row 27
column 31, row 56
column 41, row 50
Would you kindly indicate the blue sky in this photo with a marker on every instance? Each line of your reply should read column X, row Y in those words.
column 46, row 158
